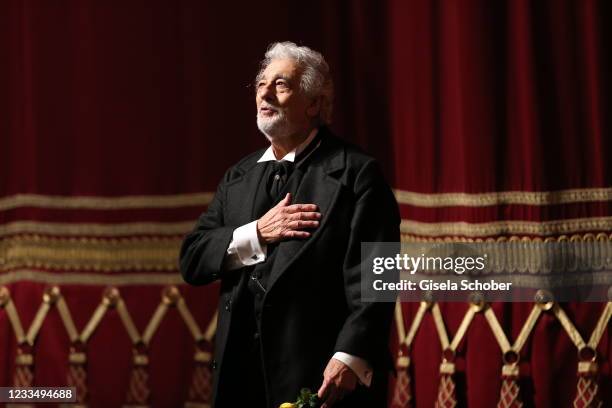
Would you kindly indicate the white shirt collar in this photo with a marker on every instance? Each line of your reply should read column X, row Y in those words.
column 290, row 157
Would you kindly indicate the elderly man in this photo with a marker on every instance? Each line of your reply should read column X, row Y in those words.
column 283, row 236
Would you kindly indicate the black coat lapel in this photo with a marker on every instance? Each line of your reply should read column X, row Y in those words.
column 241, row 194
column 240, row 205
column 317, row 187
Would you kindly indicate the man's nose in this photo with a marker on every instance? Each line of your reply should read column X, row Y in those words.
column 266, row 93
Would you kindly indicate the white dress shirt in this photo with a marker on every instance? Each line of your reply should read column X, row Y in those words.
column 245, row 250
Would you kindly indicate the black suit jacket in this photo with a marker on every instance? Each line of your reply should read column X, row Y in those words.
column 312, row 307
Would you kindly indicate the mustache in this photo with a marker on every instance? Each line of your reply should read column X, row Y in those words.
column 266, row 105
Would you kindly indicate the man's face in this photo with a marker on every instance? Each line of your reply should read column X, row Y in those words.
column 282, row 107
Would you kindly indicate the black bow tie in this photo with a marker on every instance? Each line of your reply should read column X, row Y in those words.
column 280, row 172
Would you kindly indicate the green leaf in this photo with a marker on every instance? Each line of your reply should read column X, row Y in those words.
column 307, row 399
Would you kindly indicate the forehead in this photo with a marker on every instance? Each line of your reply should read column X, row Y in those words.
column 284, row 68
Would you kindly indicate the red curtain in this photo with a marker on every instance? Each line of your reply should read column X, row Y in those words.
column 499, row 128
column 118, row 118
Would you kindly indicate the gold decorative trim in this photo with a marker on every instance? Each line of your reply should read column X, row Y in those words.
column 36, row 324
column 440, row 327
column 414, row 198
column 537, row 198
column 528, row 327
column 500, row 335
column 64, row 313
column 576, row 238
column 488, row 229
column 510, row 353
column 571, row 330
column 578, row 195
column 212, row 327
column 448, row 366
column 497, row 330
column 601, row 326
column 599, row 278
column 464, row 326
column 399, row 322
column 190, row 320
column 410, row 228
column 404, row 338
column 416, row 323
column 94, row 321
column 83, row 278
column 13, row 316
column 111, row 298
column 94, row 229
column 107, row 255
column 106, row 203
column 573, row 333
column 154, row 322
column 128, row 323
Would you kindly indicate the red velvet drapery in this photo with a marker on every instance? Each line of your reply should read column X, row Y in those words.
column 508, row 98
column 117, row 120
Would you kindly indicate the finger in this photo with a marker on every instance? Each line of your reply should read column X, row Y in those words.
column 311, row 215
column 296, row 234
column 285, row 201
column 323, row 389
column 306, row 215
column 301, row 207
column 296, row 225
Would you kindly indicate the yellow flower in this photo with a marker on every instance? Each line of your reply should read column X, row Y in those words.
column 287, row 405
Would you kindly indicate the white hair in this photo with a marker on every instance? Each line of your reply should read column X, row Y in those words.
column 315, row 80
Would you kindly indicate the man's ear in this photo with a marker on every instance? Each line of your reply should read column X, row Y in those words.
column 314, row 108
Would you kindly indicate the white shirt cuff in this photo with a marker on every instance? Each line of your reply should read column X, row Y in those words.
column 359, row 366
column 245, row 248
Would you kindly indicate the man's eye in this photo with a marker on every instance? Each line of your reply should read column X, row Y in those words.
column 281, row 84
column 260, row 84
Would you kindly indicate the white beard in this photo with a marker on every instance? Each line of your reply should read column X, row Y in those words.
column 276, row 127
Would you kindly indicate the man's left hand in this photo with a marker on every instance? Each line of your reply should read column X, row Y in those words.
column 338, row 381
